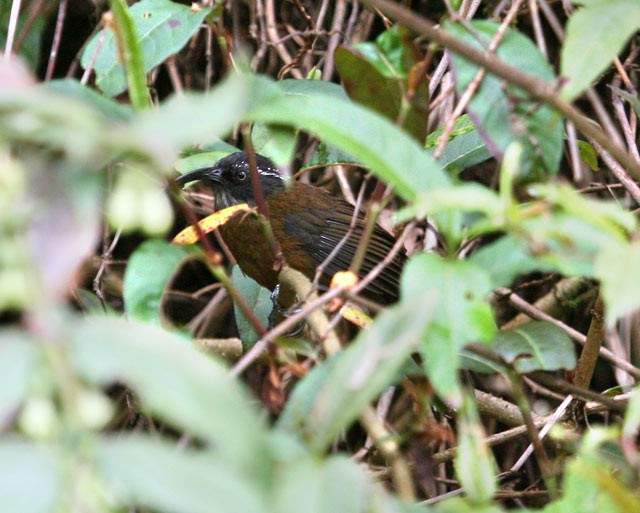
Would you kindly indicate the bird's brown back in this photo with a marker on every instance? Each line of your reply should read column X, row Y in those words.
column 308, row 223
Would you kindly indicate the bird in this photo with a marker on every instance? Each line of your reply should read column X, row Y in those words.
column 307, row 221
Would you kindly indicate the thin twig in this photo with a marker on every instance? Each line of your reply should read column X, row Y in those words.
column 336, row 27
column 11, row 29
column 57, row 37
column 473, row 87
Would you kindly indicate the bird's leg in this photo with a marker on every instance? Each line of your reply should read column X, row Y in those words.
column 279, row 310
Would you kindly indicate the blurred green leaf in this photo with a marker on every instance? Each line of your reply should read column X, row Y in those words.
column 18, row 359
column 163, row 28
column 504, row 259
column 66, row 225
column 31, row 46
column 33, row 114
column 475, row 467
column 139, row 201
column 467, row 197
column 204, row 158
column 259, row 301
column 31, row 478
column 565, row 243
column 596, row 33
column 462, row 505
column 173, row 381
column 462, row 314
column 508, row 117
column 591, row 484
column 537, row 345
column 143, row 471
column 191, row 118
column 607, row 216
column 332, row 395
column 336, row 484
column 148, row 272
column 618, row 268
column 107, row 107
column 632, row 416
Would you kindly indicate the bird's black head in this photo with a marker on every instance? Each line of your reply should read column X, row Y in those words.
column 231, row 179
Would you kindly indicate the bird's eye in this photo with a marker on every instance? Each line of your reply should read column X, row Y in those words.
column 241, row 176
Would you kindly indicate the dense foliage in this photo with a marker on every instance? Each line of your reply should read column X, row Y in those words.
column 498, row 140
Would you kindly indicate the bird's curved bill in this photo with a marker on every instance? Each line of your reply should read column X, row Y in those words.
column 209, row 173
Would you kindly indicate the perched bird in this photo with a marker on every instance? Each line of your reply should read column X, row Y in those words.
column 307, row 222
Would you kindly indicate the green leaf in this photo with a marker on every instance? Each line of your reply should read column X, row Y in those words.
column 392, row 54
column 464, row 151
column 332, row 395
column 148, row 472
column 589, row 155
column 391, row 154
column 327, row 154
column 173, row 381
column 366, row 85
column 18, row 358
column 596, row 33
column 275, row 141
column 311, row 88
column 259, row 300
column 149, row 271
column 385, row 95
column 475, row 467
column 508, row 117
column 618, row 268
column 30, row 478
column 465, row 147
column 462, row 314
column 130, row 51
column 507, row 258
column 536, row 346
column 163, row 28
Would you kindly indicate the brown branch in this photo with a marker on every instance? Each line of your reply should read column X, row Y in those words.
column 589, row 356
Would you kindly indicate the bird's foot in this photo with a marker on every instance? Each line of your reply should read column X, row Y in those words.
column 279, row 311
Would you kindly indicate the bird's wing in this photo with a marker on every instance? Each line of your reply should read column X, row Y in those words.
column 321, row 234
